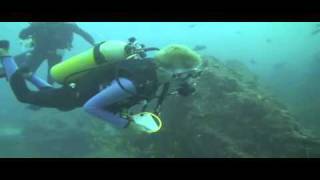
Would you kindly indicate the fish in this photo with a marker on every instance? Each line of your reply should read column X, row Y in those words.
column 253, row 61
column 279, row 65
column 268, row 40
column 192, row 26
column 199, row 48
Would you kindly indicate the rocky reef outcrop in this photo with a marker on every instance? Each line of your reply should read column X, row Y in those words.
column 228, row 116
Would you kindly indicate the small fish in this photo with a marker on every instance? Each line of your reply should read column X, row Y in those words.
column 268, row 40
column 199, row 47
column 192, row 26
column 279, row 65
column 253, row 61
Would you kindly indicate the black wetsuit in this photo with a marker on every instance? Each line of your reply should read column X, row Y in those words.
column 64, row 98
column 142, row 73
column 47, row 38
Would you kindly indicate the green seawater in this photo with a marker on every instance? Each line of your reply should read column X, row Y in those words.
column 285, row 57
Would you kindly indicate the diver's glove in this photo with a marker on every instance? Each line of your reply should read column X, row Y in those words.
column 143, row 123
column 132, row 125
column 186, row 89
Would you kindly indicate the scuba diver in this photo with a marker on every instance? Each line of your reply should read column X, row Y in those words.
column 109, row 79
column 49, row 41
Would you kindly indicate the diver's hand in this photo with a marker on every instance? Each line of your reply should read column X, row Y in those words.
column 134, row 126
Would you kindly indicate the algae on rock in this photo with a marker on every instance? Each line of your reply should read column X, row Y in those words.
column 228, row 116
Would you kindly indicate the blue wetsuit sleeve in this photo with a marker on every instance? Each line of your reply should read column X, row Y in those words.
column 11, row 67
column 38, row 82
column 110, row 95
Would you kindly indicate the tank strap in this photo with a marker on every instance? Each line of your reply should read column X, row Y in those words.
column 98, row 56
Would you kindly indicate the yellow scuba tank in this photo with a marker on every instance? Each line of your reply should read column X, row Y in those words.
column 106, row 52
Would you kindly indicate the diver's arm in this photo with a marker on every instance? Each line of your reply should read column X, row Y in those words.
column 110, row 95
column 83, row 34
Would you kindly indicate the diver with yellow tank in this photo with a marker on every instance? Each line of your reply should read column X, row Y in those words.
column 109, row 79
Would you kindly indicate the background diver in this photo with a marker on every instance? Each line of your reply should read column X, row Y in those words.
column 109, row 88
column 49, row 41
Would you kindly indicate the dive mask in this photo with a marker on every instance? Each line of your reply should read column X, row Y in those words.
column 182, row 74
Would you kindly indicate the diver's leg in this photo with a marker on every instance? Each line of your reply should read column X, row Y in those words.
column 9, row 66
column 34, row 61
column 19, row 60
column 38, row 82
column 52, row 60
column 21, row 91
column 110, row 95
column 23, row 58
column 48, row 97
